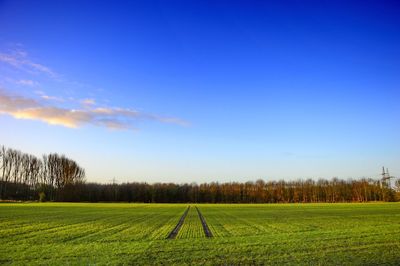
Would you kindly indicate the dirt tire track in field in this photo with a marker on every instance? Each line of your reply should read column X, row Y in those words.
column 178, row 226
column 207, row 230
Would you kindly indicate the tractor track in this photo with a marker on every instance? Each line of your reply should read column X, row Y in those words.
column 206, row 229
column 178, row 226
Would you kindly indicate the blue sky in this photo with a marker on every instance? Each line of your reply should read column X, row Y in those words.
column 204, row 90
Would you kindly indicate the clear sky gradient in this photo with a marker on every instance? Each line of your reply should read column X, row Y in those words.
column 194, row 91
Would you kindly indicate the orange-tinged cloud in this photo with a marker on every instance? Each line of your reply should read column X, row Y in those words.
column 114, row 118
column 53, row 116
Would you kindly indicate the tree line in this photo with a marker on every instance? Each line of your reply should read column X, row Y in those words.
column 299, row 191
column 25, row 177
column 57, row 178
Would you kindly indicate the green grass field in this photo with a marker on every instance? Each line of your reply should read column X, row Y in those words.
column 104, row 234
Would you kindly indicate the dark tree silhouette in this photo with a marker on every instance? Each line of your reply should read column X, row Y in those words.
column 57, row 178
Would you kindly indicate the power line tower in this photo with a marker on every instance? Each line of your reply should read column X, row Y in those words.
column 386, row 177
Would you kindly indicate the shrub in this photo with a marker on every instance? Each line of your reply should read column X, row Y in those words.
column 42, row 197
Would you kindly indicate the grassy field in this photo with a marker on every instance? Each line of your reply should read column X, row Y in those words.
column 312, row 234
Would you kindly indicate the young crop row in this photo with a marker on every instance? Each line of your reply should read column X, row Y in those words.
column 192, row 227
column 84, row 225
column 253, row 220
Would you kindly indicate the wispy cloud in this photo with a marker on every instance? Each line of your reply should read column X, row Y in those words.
column 46, row 97
column 19, row 59
column 27, row 82
column 52, row 98
column 59, row 107
column 88, row 102
column 21, row 107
